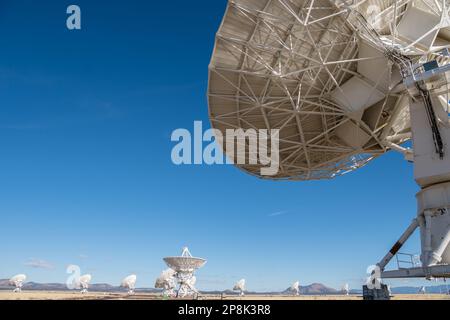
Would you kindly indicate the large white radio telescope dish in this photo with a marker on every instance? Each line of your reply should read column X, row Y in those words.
column 344, row 82
column 129, row 283
column 185, row 261
column 319, row 72
column 184, row 267
column 17, row 281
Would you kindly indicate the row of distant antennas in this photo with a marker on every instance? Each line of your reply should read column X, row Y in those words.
column 128, row 282
column 81, row 283
column 240, row 287
column 166, row 281
column 294, row 289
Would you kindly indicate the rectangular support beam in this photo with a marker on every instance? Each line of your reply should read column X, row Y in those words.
column 439, row 271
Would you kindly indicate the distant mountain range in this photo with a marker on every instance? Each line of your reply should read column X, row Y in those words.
column 313, row 289
column 96, row 287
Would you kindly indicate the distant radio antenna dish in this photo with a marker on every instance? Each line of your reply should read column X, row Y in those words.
column 295, row 288
column 346, row 289
column 129, row 283
column 184, row 267
column 17, row 281
column 240, row 287
column 85, row 280
column 167, row 282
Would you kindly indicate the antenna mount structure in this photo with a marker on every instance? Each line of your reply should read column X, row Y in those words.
column 167, row 282
column 184, row 267
column 129, row 283
column 240, row 287
column 84, row 282
column 295, row 288
column 17, row 281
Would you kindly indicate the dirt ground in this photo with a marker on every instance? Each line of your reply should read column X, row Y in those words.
column 41, row 295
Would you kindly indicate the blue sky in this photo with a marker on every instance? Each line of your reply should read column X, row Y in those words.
column 86, row 175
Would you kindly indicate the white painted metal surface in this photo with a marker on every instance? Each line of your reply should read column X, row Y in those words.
column 185, row 262
column 429, row 169
column 434, row 214
column 17, row 281
column 344, row 82
column 167, row 282
column 85, row 280
column 295, row 288
column 240, row 287
column 184, row 267
column 309, row 69
column 129, row 283
column 346, row 289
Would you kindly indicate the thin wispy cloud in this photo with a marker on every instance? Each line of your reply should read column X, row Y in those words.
column 38, row 264
column 277, row 214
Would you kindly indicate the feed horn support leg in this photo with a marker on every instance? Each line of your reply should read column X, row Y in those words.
column 398, row 245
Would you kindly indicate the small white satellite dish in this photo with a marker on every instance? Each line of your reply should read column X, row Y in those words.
column 129, row 283
column 295, row 288
column 17, row 281
column 240, row 286
column 346, row 289
column 84, row 282
column 167, row 282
